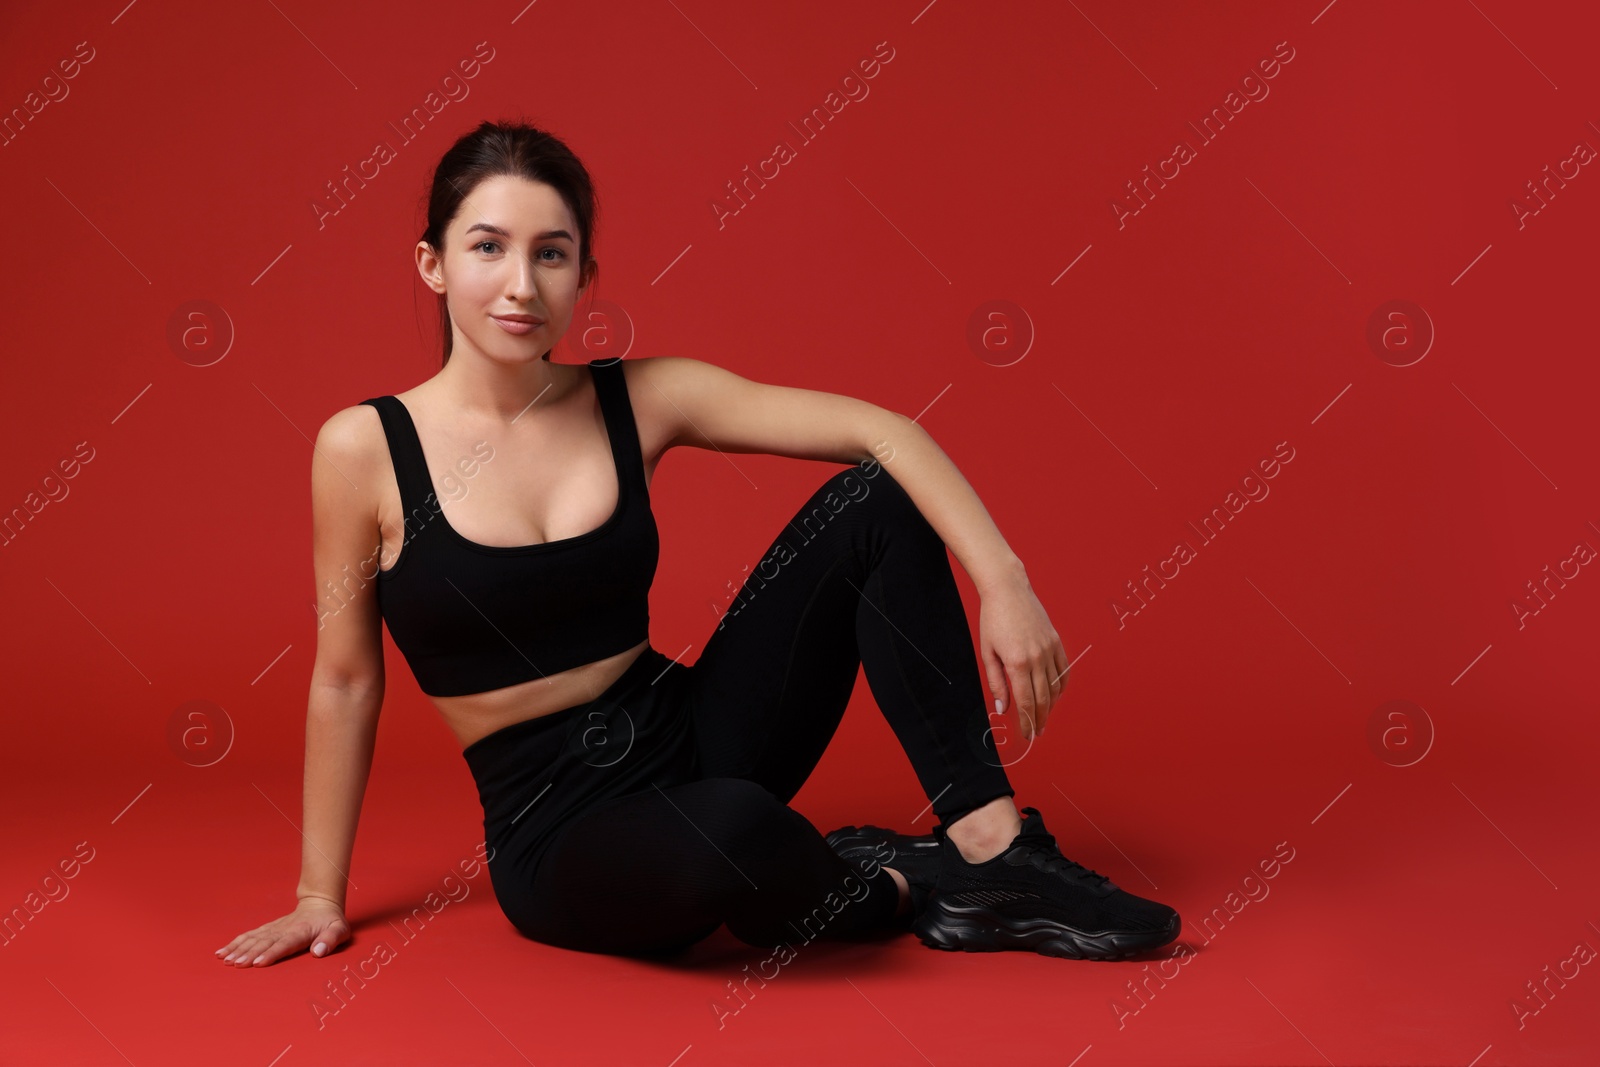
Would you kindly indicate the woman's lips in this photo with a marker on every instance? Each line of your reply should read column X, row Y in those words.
column 516, row 326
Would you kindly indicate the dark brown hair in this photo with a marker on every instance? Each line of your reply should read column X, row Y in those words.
column 520, row 150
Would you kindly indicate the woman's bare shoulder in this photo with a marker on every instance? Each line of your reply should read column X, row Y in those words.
column 352, row 435
column 657, row 383
column 658, row 388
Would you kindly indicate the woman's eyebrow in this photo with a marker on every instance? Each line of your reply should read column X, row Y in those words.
column 492, row 228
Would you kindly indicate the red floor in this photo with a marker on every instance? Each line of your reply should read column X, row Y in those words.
column 1407, row 911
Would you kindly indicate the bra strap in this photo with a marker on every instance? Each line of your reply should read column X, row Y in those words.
column 405, row 452
column 620, row 423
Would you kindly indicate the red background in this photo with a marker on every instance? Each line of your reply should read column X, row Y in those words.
column 1230, row 314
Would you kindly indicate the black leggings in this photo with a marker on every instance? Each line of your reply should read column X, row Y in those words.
column 642, row 820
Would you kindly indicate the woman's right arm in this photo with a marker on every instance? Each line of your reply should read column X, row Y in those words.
column 347, row 684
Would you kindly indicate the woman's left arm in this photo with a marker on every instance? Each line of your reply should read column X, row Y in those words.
column 1015, row 638
column 699, row 404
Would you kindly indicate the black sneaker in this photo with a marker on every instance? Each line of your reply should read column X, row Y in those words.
column 918, row 858
column 1030, row 896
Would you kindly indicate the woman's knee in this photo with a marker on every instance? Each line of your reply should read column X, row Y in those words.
column 869, row 488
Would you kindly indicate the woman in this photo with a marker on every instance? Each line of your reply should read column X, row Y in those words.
column 632, row 804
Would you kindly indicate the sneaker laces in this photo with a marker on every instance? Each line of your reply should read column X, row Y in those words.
column 1044, row 843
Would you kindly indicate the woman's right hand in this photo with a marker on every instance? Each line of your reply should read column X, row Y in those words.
column 315, row 922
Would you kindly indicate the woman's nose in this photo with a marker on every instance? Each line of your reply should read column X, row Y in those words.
column 524, row 277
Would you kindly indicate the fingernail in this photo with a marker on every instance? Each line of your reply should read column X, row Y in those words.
column 319, row 949
column 997, row 708
column 258, row 959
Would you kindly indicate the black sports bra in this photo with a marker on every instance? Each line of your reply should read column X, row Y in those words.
column 470, row 618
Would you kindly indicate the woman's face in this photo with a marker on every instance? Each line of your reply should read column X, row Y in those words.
column 512, row 249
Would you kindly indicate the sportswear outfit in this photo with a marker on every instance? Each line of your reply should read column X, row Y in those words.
column 641, row 820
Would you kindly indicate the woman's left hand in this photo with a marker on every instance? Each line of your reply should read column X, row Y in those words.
column 1019, row 645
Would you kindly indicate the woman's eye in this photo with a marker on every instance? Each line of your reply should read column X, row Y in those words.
column 495, row 244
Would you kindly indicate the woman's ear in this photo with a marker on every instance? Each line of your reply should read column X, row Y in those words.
column 430, row 266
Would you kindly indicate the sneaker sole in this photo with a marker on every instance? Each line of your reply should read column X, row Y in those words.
column 975, row 930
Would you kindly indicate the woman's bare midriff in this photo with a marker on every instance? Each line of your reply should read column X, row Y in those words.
column 480, row 714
